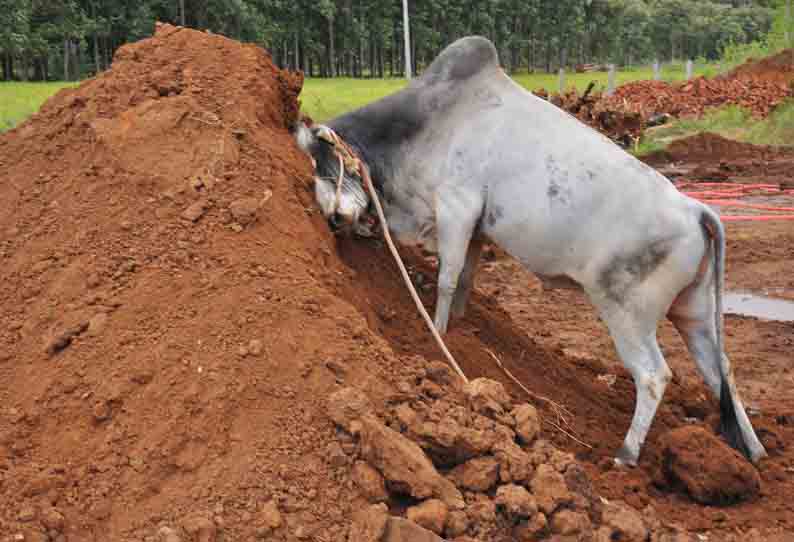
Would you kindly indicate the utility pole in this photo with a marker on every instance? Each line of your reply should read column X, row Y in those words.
column 407, row 35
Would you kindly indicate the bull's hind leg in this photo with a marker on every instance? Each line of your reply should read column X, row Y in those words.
column 632, row 325
column 694, row 315
column 466, row 281
column 457, row 215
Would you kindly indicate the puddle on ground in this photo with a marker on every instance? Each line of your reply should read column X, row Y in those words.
column 758, row 306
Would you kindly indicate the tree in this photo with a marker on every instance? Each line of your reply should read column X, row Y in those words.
column 366, row 38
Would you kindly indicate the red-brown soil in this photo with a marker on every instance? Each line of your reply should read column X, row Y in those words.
column 711, row 157
column 779, row 68
column 176, row 314
column 693, row 98
column 702, row 465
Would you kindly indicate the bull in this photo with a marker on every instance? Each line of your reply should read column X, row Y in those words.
column 463, row 156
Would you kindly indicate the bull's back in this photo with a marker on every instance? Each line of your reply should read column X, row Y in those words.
column 559, row 193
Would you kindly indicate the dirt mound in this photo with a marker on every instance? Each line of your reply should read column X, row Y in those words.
column 713, row 147
column 633, row 107
column 451, row 457
column 693, row 98
column 709, row 470
column 162, row 364
column 778, row 68
column 711, row 157
column 622, row 125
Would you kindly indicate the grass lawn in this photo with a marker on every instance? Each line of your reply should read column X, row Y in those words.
column 323, row 99
column 20, row 100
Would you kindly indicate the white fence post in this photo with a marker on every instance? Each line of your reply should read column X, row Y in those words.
column 690, row 68
column 611, row 80
column 407, row 40
column 562, row 80
column 657, row 71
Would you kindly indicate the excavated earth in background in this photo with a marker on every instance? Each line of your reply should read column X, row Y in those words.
column 779, row 68
column 176, row 316
column 711, row 157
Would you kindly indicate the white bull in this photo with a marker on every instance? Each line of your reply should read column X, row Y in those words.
column 464, row 155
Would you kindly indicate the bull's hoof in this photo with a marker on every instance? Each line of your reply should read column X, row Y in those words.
column 441, row 328
column 625, row 458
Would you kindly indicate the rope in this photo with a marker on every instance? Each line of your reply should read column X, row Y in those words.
column 338, row 195
column 350, row 161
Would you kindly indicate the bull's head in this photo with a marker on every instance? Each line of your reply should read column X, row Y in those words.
column 348, row 213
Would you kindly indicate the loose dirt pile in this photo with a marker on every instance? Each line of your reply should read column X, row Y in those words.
column 177, row 316
column 168, row 329
column 758, row 87
column 710, row 471
column 501, row 480
column 708, row 146
column 711, row 157
column 779, row 68
column 695, row 97
column 619, row 123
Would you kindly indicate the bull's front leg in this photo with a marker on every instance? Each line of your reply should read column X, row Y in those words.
column 457, row 215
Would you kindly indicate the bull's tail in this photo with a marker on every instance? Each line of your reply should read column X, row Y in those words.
column 734, row 424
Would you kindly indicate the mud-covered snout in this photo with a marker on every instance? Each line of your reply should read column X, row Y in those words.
column 346, row 214
column 345, row 210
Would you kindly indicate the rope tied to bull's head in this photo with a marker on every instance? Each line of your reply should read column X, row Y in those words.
column 349, row 162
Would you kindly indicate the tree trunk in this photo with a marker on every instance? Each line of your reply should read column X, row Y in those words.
column 97, row 66
column 331, row 51
column 297, row 52
column 24, row 67
column 530, row 47
column 672, row 48
column 514, row 48
column 548, row 58
column 78, row 60
column 381, row 66
column 360, row 60
column 182, row 12
column 373, row 70
column 66, row 51
column 563, row 51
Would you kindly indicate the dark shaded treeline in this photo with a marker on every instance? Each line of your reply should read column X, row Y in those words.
column 70, row 39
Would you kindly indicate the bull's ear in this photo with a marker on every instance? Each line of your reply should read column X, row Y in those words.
column 303, row 134
column 324, row 134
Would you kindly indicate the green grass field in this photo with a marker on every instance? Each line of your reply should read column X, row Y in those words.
column 325, row 98
column 20, row 100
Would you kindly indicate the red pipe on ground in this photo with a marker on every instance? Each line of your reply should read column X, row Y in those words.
column 738, row 190
column 755, row 218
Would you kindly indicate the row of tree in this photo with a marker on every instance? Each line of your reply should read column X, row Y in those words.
column 70, row 39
